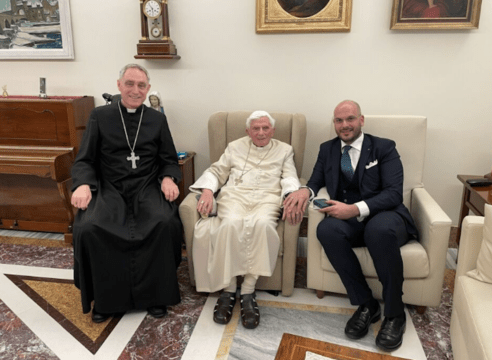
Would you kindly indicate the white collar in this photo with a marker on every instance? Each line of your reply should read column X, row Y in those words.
column 357, row 144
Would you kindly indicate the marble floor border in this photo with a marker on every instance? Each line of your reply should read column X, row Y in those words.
column 53, row 334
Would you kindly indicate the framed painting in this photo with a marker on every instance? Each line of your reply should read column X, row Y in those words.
column 435, row 14
column 297, row 16
column 34, row 29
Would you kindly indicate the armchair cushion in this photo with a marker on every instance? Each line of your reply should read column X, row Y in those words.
column 483, row 272
column 412, row 152
column 415, row 261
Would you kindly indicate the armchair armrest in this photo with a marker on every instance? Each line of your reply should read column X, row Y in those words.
column 189, row 217
column 434, row 227
column 432, row 223
column 315, row 216
column 291, row 238
column 470, row 244
column 314, row 246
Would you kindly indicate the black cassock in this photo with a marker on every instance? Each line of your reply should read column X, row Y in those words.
column 127, row 244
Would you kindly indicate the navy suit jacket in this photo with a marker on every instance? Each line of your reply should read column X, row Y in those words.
column 380, row 176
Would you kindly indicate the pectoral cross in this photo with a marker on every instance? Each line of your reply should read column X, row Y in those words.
column 133, row 159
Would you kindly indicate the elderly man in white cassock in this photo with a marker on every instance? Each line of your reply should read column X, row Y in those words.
column 255, row 174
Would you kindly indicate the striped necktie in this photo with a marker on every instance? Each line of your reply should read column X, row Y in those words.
column 346, row 163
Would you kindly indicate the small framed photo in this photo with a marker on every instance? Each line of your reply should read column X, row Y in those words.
column 435, row 14
column 298, row 16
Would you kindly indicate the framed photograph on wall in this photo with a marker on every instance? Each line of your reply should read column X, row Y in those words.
column 35, row 30
column 298, row 16
column 435, row 14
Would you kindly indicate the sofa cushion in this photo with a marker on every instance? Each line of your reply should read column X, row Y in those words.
column 483, row 272
column 415, row 261
column 473, row 305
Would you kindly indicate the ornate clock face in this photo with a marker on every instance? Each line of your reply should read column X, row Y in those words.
column 155, row 31
column 152, row 9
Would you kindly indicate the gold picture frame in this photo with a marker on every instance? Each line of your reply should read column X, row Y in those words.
column 287, row 16
column 435, row 14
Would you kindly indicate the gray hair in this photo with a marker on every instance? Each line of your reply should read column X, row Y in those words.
column 258, row 115
column 134, row 66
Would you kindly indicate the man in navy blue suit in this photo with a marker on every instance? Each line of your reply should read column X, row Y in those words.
column 364, row 178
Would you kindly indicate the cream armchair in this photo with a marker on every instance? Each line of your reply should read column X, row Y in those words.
column 224, row 127
column 424, row 262
column 472, row 300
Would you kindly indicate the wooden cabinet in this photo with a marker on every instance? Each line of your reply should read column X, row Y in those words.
column 187, row 167
column 39, row 139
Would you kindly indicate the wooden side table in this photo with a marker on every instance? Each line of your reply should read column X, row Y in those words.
column 187, row 166
column 474, row 199
column 293, row 347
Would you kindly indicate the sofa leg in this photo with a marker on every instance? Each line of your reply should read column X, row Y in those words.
column 421, row 310
column 320, row 294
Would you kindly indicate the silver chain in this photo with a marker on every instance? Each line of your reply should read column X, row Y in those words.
column 240, row 179
column 124, row 128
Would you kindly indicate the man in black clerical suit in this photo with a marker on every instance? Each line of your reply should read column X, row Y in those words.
column 127, row 233
column 364, row 178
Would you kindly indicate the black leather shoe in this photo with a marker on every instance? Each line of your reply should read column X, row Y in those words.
column 250, row 313
column 390, row 335
column 223, row 307
column 157, row 311
column 98, row 317
column 358, row 325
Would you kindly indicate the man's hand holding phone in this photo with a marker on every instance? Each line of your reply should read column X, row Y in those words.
column 336, row 209
column 321, row 203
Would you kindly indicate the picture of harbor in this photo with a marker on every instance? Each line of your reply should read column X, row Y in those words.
column 33, row 24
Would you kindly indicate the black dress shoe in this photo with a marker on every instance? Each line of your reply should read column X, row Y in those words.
column 98, row 317
column 358, row 325
column 250, row 313
column 157, row 311
column 390, row 335
column 223, row 308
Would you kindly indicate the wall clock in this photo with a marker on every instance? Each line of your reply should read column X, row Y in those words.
column 156, row 42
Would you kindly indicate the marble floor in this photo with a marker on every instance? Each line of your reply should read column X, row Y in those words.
column 40, row 316
column 302, row 314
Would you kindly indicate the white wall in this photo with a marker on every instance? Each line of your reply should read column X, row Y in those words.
column 225, row 65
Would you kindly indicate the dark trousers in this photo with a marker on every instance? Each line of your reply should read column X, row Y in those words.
column 383, row 235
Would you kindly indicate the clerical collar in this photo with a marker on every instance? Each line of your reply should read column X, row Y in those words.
column 131, row 111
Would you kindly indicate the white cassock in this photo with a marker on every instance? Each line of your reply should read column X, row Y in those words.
column 242, row 238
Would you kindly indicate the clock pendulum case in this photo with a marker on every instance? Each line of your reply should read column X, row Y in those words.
column 156, row 42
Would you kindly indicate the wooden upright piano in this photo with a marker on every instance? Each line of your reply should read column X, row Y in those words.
column 39, row 139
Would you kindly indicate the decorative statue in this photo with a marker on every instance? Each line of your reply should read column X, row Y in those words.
column 156, row 101
column 5, row 94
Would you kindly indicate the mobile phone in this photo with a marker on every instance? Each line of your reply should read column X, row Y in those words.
column 321, row 203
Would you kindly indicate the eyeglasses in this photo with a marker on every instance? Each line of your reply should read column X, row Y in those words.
column 350, row 119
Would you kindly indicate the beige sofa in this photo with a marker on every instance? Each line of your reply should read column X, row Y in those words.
column 471, row 319
column 424, row 261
